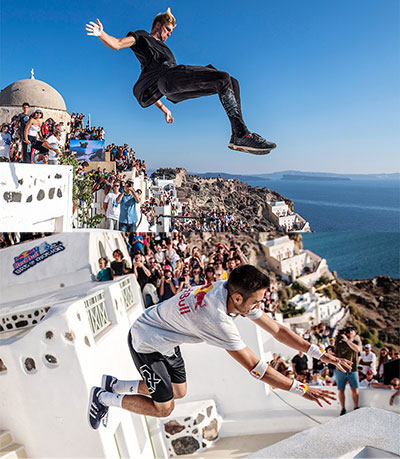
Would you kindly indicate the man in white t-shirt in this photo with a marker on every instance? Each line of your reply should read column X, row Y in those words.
column 112, row 208
column 57, row 146
column 5, row 144
column 200, row 314
column 368, row 360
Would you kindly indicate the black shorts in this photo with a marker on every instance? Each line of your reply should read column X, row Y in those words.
column 159, row 371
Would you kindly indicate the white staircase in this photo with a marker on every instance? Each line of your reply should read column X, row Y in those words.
column 8, row 448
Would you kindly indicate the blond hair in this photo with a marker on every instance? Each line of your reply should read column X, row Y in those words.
column 164, row 18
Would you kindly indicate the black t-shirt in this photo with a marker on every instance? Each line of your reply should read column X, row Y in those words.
column 155, row 58
column 300, row 363
column 118, row 267
column 142, row 278
column 23, row 121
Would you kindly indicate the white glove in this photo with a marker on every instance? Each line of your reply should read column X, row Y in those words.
column 94, row 29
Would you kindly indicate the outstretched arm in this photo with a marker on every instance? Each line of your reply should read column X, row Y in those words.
column 96, row 29
column 249, row 360
column 164, row 109
column 290, row 338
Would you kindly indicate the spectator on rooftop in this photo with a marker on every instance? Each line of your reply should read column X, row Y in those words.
column 197, row 276
column 5, row 144
column 56, row 149
column 128, row 199
column 348, row 345
column 367, row 360
column 105, row 273
column 316, row 379
column 300, row 363
column 369, row 379
column 119, row 266
column 382, row 359
column 167, row 288
column 210, row 274
column 141, row 270
column 112, row 207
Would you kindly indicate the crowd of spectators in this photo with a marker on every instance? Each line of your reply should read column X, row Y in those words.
column 27, row 138
column 215, row 222
column 164, row 264
column 369, row 371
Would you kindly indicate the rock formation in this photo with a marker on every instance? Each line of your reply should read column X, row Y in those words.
column 229, row 196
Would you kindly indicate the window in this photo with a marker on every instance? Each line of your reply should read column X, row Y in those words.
column 97, row 313
column 126, row 292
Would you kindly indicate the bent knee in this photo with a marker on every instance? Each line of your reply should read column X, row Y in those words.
column 180, row 392
column 163, row 410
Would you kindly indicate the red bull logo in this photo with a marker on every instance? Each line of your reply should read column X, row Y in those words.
column 31, row 257
column 200, row 294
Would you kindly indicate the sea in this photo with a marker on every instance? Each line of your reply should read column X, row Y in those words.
column 356, row 223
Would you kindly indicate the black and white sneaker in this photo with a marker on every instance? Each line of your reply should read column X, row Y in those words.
column 251, row 143
column 107, row 382
column 96, row 410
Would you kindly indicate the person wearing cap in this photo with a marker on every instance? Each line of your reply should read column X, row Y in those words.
column 56, row 147
column 369, row 379
column 367, row 360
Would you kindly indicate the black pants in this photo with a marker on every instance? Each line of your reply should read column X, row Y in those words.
column 189, row 82
column 27, row 149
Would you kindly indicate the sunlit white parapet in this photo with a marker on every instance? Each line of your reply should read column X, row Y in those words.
column 367, row 432
column 35, row 197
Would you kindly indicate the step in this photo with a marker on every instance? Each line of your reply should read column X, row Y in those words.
column 5, row 438
column 13, row 451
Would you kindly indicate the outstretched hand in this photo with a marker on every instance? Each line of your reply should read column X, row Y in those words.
column 168, row 117
column 94, row 28
column 319, row 395
column 341, row 364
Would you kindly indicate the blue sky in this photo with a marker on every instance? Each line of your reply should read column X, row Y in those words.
column 318, row 77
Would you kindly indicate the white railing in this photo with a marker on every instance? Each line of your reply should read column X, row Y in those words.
column 126, row 293
column 97, row 313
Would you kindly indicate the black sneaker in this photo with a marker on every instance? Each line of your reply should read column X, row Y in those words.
column 343, row 411
column 251, row 143
column 96, row 410
column 107, row 383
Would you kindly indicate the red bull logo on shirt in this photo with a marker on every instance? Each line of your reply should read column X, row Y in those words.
column 200, row 293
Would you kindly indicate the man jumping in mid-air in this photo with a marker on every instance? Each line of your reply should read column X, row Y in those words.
column 161, row 76
column 204, row 313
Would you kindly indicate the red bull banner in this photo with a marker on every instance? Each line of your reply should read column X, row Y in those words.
column 31, row 257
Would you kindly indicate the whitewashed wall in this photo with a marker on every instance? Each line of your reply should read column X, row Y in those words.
column 35, row 197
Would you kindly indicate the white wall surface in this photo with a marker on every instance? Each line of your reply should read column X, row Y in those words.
column 46, row 409
column 35, row 197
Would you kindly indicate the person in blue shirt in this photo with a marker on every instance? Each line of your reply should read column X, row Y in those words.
column 128, row 216
column 105, row 273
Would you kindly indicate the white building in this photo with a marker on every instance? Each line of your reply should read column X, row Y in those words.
column 316, row 307
column 62, row 331
column 286, row 220
column 290, row 262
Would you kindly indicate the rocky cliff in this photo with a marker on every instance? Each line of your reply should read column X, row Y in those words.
column 229, row 196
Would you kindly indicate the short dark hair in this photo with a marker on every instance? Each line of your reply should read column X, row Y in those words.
column 247, row 279
column 25, row 104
